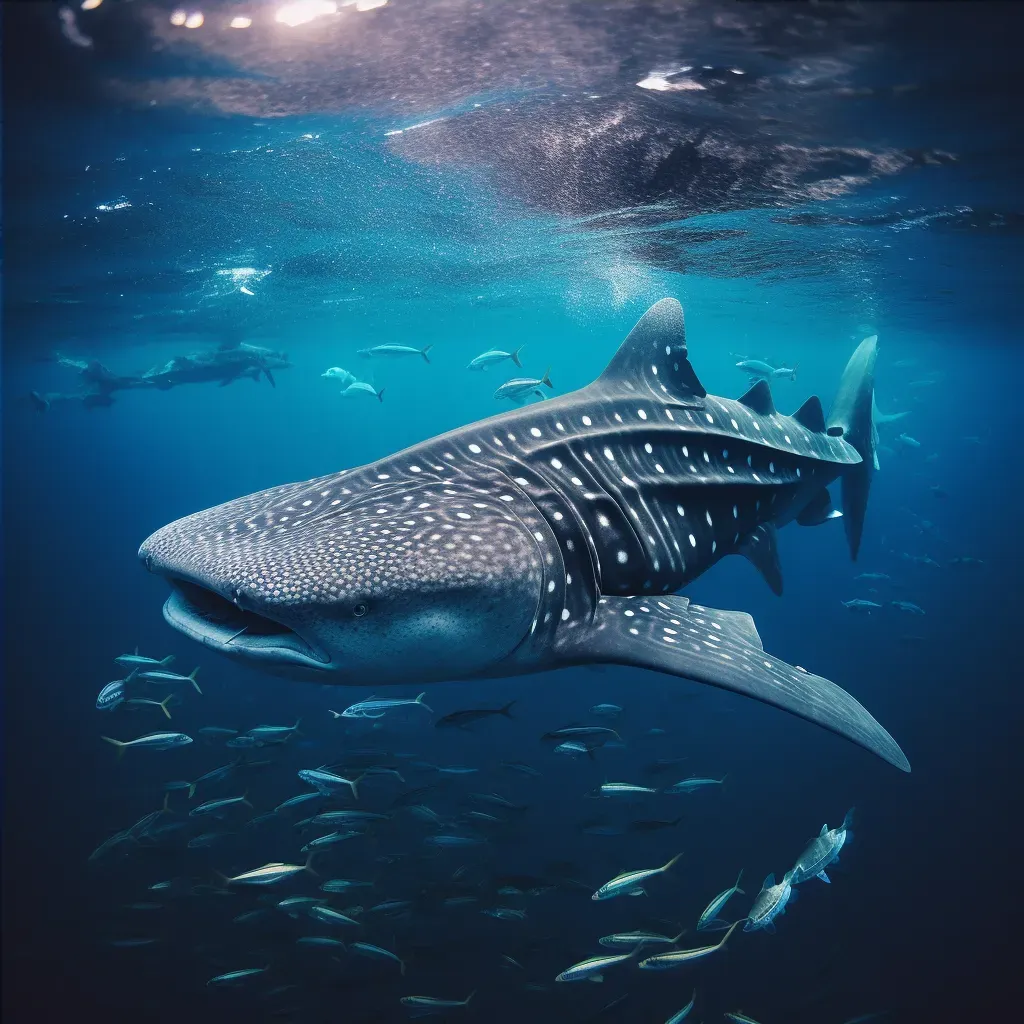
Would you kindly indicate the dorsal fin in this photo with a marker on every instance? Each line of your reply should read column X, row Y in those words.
column 811, row 415
column 653, row 358
column 759, row 399
column 763, row 552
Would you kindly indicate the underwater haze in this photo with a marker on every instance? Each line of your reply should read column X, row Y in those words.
column 252, row 244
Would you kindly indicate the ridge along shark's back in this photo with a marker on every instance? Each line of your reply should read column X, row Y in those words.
column 547, row 536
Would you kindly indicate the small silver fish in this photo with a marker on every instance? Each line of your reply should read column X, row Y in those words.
column 492, row 356
column 519, row 389
column 392, row 351
column 627, row 883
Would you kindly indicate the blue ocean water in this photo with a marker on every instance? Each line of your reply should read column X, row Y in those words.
column 406, row 175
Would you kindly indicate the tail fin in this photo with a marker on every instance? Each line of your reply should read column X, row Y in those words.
column 191, row 790
column 163, row 704
column 269, row 376
column 309, row 862
column 117, row 743
column 515, row 356
column 337, row 714
column 166, row 661
column 848, row 820
column 420, row 700
column 506, row 709
column 353, row 784
column 245, row 800
column 380, row 394
column 465, row 1002
column 676, row 938
column 671, row 863
column 850, row 418
column 792, row 373
column 546, row 379
column 39, row 403
column 192, row 680
column 737, row 885
column 424, row 351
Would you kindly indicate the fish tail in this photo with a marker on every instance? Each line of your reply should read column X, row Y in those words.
column 337, row 714
column 192, row 680
column 167, row 661
column 353, row 784
column 424, row 351
column 163, row 704
column 117, row 743
column 546, row 379
column 309, row 863
column 221, row 877
column 672, row 862
column 380, row 394
column 419, row 700
column 737, row 886
column 676, row 938
column 506, row 710
column 465, row 1002
column 191, row 790
column 131, row 675
column 848, row 820
column 732, row 928
column 515, row 356
column 166, row 809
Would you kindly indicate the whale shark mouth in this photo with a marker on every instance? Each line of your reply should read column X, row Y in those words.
column 213, row 620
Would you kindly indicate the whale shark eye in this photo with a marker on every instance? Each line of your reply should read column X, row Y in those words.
column 359, row 610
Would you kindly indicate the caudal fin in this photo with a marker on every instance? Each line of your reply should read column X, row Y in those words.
column 117, row 743
column 515, row 356
column 380, row 394
column 165, row 662
column 546, row 379
column 850, row 418
column 163, row 704
column 420, row 700
column 507, row 709
column 192, row 680
column 424, row 351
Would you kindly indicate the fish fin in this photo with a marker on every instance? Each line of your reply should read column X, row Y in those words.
column 515, row 356
column 380, row 395
column 546, row 380
column 245, row 800
column 748, row 669
column 672, row 862
column 131, row 675
column 653, row 359
column 850, row 418
column 847, row 821
column 167, row 661
column 420, row 700
column 270, row 377
column 506, row 709
column 770, row 928
column 759, row 398
column 769, row 881
column 424, row 351
column 309, row 863
column 163, row 704
column 823, row 877
column 737, row 885
column 818, row 510
column 824, row 829
column 762, row 551
column 119, row 744
column 192, row 680
column 191, row 790
column 597, row 978
column 337, row 714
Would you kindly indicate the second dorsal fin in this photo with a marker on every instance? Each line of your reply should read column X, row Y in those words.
column 653, row 358
column 759, row 399
column 811, row 415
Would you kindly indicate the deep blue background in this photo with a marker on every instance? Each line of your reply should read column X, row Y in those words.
column 922, row 916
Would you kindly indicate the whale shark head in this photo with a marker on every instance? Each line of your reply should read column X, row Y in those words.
column 350, row 580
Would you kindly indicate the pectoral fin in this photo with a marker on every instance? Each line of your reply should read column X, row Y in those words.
column 824, row 877
column 721, row 648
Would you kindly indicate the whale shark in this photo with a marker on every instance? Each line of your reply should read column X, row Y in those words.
column 548, row 536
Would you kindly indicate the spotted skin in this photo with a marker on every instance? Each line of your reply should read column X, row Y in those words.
column 507, row 546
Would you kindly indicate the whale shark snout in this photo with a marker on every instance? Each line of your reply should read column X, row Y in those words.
column 352, row 583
